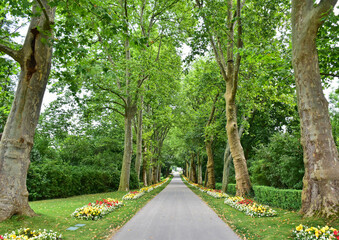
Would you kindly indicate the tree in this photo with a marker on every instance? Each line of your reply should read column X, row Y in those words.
column 34, row 58
column 229, row 68
column 320, row 194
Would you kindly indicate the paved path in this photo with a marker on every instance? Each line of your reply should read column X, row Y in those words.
column 176, row 214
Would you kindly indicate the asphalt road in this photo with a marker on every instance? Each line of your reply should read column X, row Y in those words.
column 174, row 214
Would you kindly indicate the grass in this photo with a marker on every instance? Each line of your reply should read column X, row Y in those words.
column 265, row 228
column 56, row 215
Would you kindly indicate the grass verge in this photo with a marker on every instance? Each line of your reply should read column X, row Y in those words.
column 265, row 228
column 56, row 215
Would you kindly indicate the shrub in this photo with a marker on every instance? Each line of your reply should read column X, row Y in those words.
column 231, row 189
column 282, row 198
column 53, row 179
column 279, row 163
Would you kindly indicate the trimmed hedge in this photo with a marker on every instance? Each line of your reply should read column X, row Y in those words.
column 53, row 179
column 282, row 198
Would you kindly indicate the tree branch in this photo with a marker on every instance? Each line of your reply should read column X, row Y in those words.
column 329, row 74
column 16, row 55
column 142, row 81
column 115, row 110
column 44, row 11
column 158, row 55
column 114, row 92
column 239, row 46
column 322, row 10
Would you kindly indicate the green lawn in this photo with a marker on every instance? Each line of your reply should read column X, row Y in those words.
column 56, row 215
column 265, row 228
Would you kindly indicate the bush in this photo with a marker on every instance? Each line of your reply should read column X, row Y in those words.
column 53, row 179
column 280, row 163
column 282, row 198
column 231, row 189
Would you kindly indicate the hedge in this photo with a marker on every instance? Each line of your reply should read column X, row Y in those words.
column 282, row 198
column 53, row 179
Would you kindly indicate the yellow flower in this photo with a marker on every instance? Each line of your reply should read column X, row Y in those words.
column 299, row 228
column 317, row 233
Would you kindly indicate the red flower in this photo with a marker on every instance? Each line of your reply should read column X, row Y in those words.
column 335, row 232
column 88, row 205
column 100, row 203
column 1, row 237
column 337, row 237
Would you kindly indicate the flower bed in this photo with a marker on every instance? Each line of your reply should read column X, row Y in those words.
column 216, row 193
column 95, row 211
column 303, row 232
column 29, row 234
column 133, row 195
column 249, row 207
column 147, row 189
column 154, row 186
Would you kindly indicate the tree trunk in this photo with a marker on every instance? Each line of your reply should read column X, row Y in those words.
column 199, row 169
column 154, row 171
column 227, row 161
column 243, row 183
column 159, row 172
column 128, row 150
column 226, row 169
column 320, row 195
column 210, row 165
column 144, row 167
column 187, row 170
column 149, row 176
column 193, row 174
column 138, row 159
column 17, row 140
column 206, row 176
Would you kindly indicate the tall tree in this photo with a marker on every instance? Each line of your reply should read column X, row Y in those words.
column 34, row 58
column 229, row 68
column 320, row 194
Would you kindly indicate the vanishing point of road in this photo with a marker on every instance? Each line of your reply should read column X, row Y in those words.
column 176, row 213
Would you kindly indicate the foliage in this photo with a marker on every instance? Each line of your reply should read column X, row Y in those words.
column 279, row 163
column 282, row 198
column 8, row 69
column 53, row 179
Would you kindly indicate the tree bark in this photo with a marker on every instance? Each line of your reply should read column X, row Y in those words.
column 226, row 169
column 227, row 161
column 128, row 150
column 206, row 177
column 17, row 140
column 210, row 165
column 199, row 169
column 193, row 174
column 159, row 172
column 138, row 159
column 320, row 195
column 209, row 149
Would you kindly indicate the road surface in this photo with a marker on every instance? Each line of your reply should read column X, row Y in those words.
column 176, row 213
